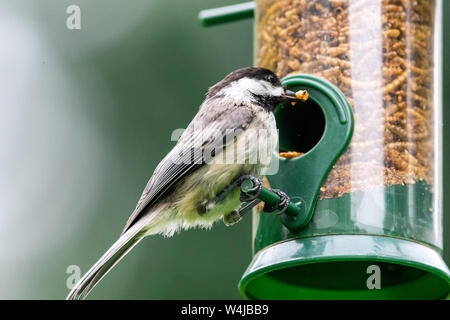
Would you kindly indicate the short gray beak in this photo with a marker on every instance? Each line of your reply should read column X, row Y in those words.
column 289, row 96
column 294, row 97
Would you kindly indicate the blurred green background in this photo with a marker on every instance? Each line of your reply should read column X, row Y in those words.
column 86, row 116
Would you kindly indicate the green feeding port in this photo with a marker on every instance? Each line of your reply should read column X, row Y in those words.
column 368, row 222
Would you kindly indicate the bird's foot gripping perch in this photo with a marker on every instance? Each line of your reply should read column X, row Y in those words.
column 282, row 205
column 252, row 193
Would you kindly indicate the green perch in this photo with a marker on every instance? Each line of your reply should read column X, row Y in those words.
column 269, row 197
column 252, row 192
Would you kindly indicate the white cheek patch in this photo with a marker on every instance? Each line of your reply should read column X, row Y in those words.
column 243, row 89
column 277, row 91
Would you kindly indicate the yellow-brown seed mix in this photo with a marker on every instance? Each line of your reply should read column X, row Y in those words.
column 380, row 54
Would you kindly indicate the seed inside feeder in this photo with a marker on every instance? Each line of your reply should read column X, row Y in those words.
column 290, row 154
column 380, row 55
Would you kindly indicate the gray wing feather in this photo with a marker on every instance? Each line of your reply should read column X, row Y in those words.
column 206, row 131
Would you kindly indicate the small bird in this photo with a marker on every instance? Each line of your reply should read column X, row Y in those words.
column 187, row 187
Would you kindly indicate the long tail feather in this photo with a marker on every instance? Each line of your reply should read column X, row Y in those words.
column 116, row 252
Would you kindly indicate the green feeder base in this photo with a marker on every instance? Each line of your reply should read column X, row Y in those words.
column 338, row 267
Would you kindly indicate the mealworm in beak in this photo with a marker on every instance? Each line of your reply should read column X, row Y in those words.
column 302, row 95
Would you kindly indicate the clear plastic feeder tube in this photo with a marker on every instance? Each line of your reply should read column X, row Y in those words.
column 385, row 56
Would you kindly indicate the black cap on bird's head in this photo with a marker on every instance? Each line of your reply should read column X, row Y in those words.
column 258, row 85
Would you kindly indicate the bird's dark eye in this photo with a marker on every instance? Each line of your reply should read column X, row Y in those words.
column 272, row 79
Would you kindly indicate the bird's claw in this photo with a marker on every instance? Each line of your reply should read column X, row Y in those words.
column 282, row 205
column 257, row 187
column 231, row 218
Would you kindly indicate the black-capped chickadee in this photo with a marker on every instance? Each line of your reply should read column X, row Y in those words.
column 233, row 134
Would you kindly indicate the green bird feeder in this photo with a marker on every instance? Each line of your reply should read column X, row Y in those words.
column 367, row 189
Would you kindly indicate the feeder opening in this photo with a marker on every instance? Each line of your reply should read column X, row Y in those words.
column 300, row 127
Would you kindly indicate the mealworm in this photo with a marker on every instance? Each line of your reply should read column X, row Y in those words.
column 397, row 82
